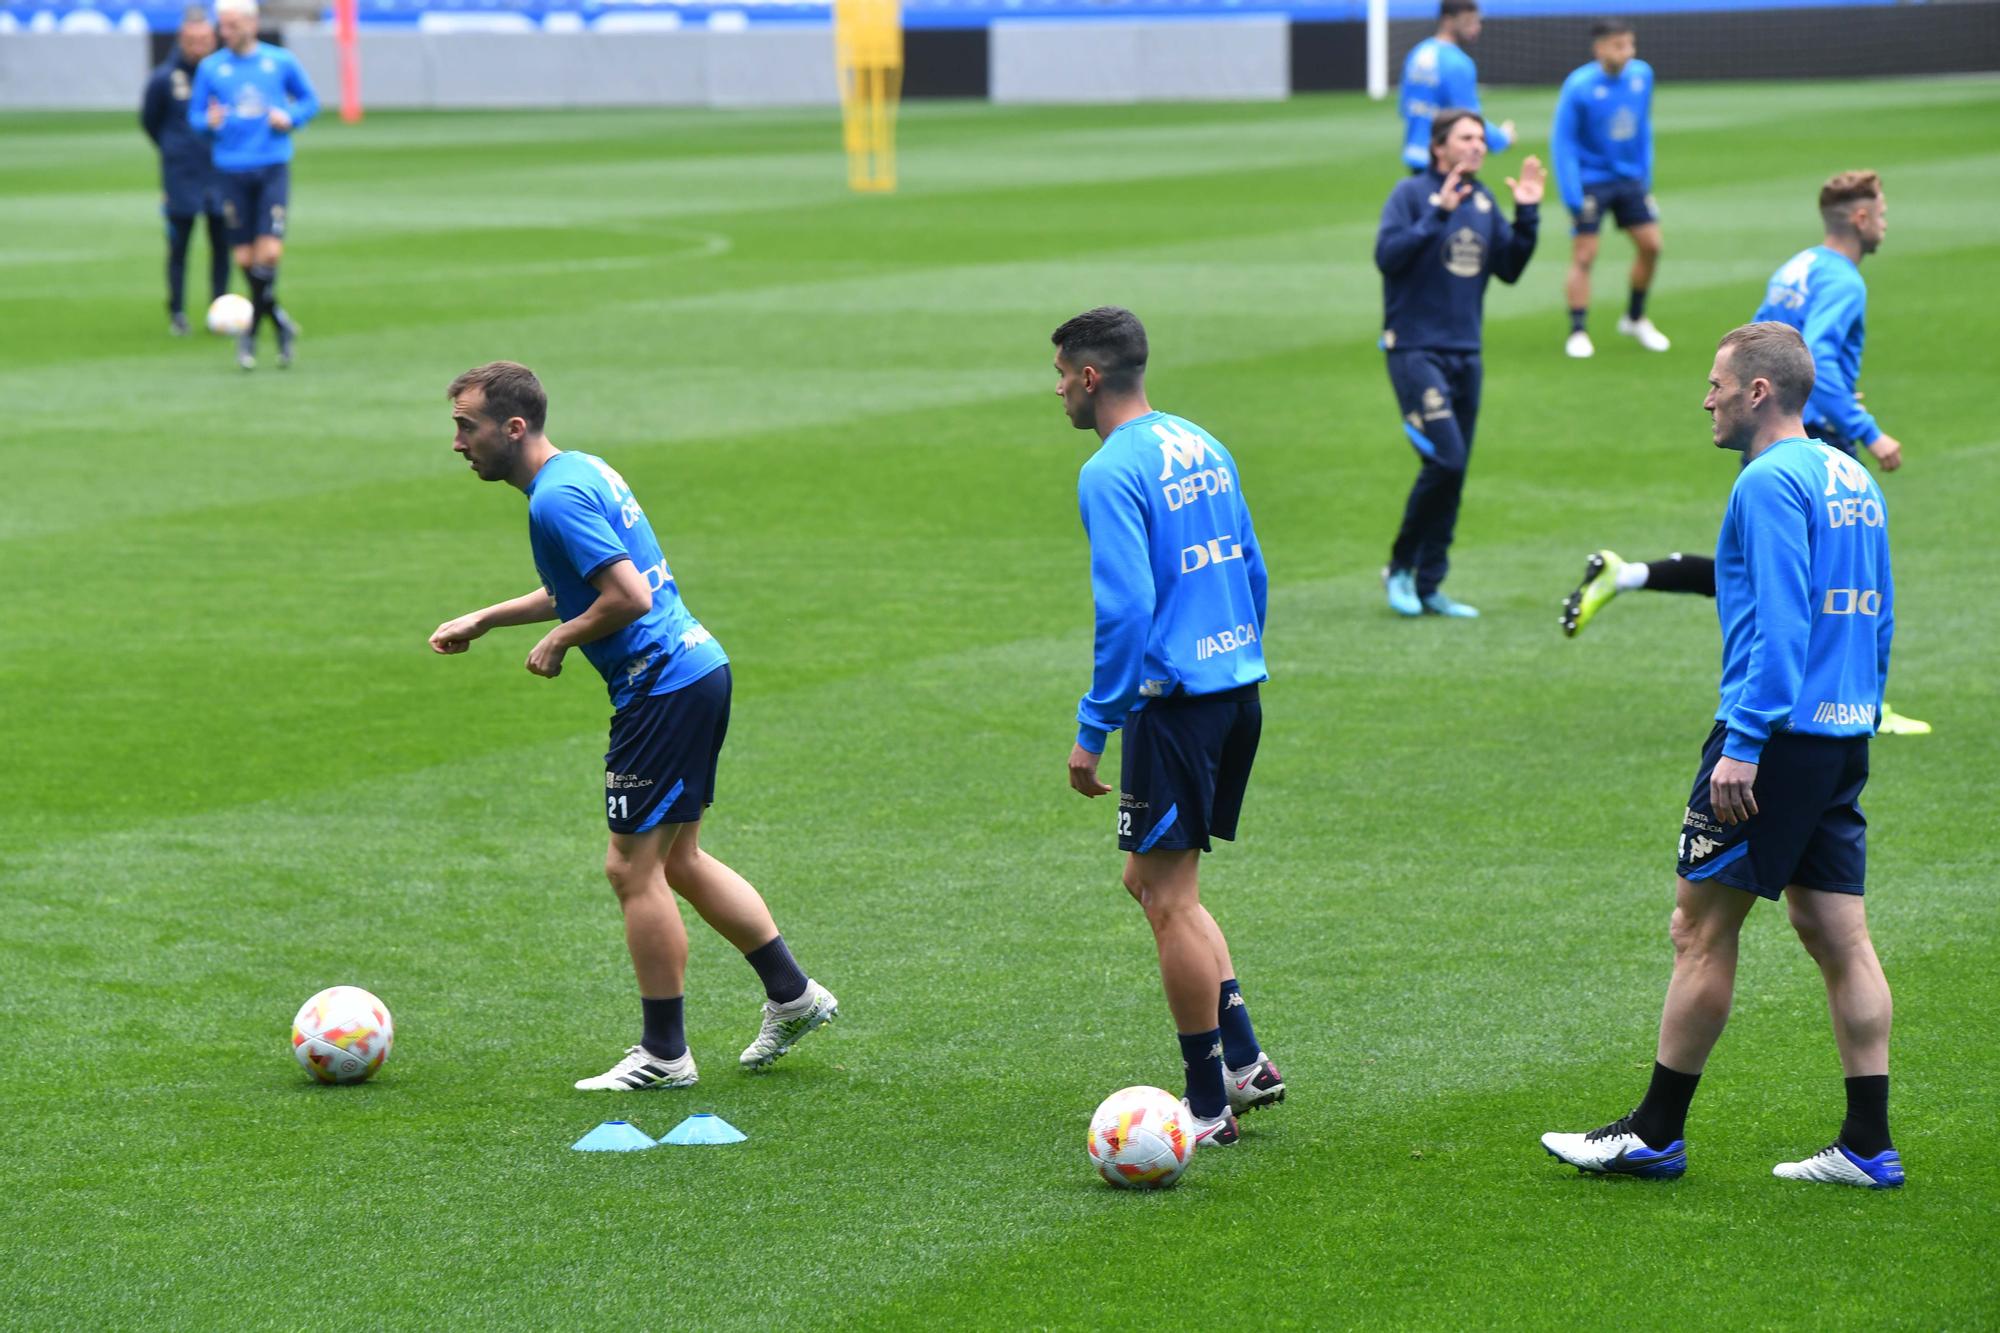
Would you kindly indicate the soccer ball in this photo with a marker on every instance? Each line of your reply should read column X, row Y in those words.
column 1139, row 1139
column 230, row 315
column 342, row 1035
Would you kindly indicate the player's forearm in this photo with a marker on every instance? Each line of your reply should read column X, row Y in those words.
column 604, row 617
column 1120, row 665
column 528, row 609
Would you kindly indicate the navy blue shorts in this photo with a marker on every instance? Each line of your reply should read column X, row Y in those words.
column 660, row 768
column 1184, row 767
column 1808, row 829
column 1629, row 203
column 253, row 202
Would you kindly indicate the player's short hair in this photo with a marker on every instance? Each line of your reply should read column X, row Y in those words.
column 195, row 14
column 236, row 7
column 1602, row 28
column 1442, row 122
column 1451, row 9
column 1849, row 187
column 1771, row 351
column 511, row 390
column 1109, row 337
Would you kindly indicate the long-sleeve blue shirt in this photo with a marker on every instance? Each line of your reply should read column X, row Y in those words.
column 1820, row 293
column 1603, row 131
column 1803, row 591
column 251, row 87
column 1436, row 76
column 583, row 518
column 1175, row 571
column 184, row 153
column 1435, row 264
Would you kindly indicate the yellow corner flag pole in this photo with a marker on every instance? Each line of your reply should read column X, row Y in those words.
column 868, row 42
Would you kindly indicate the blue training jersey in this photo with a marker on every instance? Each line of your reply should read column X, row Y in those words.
column 581, row 518
column 1803, row 590
column 1436, row 76
column 1820, row 293
column 251, row 87
column 1175, row 571
column 1603, row 132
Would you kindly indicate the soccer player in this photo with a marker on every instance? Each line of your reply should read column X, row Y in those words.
column 188, row 190
column 1807, row 608
column 1602, row 151
column 1439, row 74
column 249, row 99
column 1820, row 293
column 604, row 579
column 1180, row 588
column 1442, row 238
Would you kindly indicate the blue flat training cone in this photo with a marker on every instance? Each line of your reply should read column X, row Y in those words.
column 702, row 1127
column 613, row 1136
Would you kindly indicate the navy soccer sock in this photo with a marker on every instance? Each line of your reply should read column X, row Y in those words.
column 218, row 256
column 1239, row 1042
column 1866, row 1129
column 783, row 980
column 1201, row 1057
column 666, row 1036
column 179, row 231
column 1662, row 1116
column 1576, row 318
column 1635, row 305
column 1682, row 573
column 263, row 292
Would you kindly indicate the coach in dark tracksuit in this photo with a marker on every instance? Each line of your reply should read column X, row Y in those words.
column 187, row 172
column 1442, row 237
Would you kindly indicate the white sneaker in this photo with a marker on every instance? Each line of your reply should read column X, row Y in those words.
column 1835, row 1165
column 1614, row 1150
column 784, row 1024
column 1220, row 1132
column 1579, row 346
column 1649, row 337
column 641, row 1069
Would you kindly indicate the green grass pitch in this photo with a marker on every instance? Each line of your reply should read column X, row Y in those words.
column 234, row 774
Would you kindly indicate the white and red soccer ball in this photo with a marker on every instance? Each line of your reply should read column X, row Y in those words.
column 230, row 315
column 342, row 1035
column 1140, row 1139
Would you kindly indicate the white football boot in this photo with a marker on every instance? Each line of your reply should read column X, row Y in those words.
column 1614, row 1150
column 1837, row 1165
column 1642, row 329
column 1220, row 1132
column 784, row 1024
column 1579, row 345
column 641, row 1069
column 1254, row 1085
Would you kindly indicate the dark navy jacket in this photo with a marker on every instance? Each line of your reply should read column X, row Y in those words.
column 187, row 172
column 1435, row 264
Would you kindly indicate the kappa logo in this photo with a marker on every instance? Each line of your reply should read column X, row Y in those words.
column 1435, row 407
column 1701, row 847
column 1842, row 471
column 1483, row 202
column 1179, row 448
column 637, row 667
column 1624, row 125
